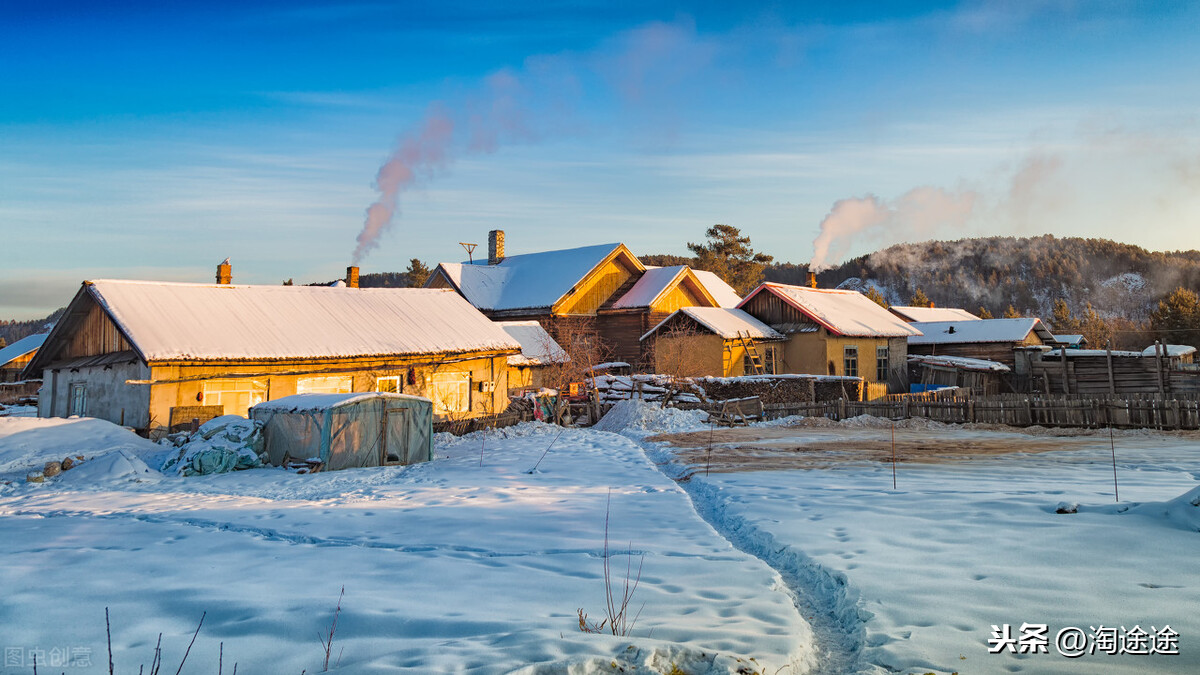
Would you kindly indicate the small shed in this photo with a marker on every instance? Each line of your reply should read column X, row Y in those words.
column 345, row 431
column 979, row 375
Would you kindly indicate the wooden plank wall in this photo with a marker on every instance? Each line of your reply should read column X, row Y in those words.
column 1146, row 411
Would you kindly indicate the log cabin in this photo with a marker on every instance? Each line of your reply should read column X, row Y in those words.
column 603, row 287
column 16, row 356
column 835, row 332
column 155, row 356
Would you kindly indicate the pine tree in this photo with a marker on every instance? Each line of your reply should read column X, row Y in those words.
column 1061, row 319
column 984, row 313
column 919, row 299
column 1177, row 318
column 728, row 255
column 417, row 273
column 1011, row 313
column 877, row 297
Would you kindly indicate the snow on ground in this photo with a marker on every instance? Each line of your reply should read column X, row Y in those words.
column 911, row 580
column 448, row 566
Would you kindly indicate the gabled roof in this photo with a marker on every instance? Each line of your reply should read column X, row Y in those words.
column 982, row 330
column 528, row 280
column 722, row 292
column 537, row 347
column 211, row 322
column 724, row 321
column 654, row 282
column 16, row 350
column 912, row 314
column 841, row 312
column 1069, row 340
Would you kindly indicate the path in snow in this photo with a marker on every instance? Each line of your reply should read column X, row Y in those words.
column 822, row 596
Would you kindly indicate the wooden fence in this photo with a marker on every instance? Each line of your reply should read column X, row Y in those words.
column 1142, row 411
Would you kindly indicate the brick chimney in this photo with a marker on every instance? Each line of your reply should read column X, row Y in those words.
column 495, row 247
column 812, row 279
column 225, row 272
column 352, row 277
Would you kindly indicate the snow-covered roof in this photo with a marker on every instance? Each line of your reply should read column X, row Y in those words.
column 1068, row 339
column 932, row 313
column 654, row 282
column 960, row 362
column 980, row 330
column 308, row 402
column 722, row 292
column 526, row 280
column 848, row 313
column 1170, row 350
column 16, row 350
column 176, row 321
column 725, row 322
column 537, row 347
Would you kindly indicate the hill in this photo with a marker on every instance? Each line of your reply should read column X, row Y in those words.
column 1029, row 273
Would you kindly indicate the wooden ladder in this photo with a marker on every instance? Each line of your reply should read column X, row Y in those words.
column 752, row 351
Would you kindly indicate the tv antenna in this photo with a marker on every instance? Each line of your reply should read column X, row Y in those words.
column 470, row 249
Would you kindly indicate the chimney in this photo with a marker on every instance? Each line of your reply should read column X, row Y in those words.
column 495, row 247
column 352, row 277
column 812, row 279
column 225, row 272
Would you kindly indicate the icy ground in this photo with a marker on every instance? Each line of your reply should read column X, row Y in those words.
column 448, row 566
column 911, row 580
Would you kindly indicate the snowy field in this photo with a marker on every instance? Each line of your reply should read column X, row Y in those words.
column 448, row 566
column 793, row 549
column 912, row 579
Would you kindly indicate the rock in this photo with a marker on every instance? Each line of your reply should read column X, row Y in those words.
column 51, row 469
column 67, row 463
column 1067, row 507
column 35, row 477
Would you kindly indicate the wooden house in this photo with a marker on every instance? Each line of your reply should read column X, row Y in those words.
column 713, row 341
column 987, row 339
column 603, row 287
column 912, row 314
column 835, row 332
column 157, row 355
column 980, row 376
column 16, row 356
column 539, row 352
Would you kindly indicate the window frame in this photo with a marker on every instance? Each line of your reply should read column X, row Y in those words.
column 883, row 364
column 850, row 360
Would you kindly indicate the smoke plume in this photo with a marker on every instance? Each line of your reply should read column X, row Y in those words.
column 645, row 68
column 421, row 151
column 920, row 211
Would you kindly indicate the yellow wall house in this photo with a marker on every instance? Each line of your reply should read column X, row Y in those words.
column 713, row 341
column 154, row 355
column 603, row 287
column 531, row 369
column 835, row 332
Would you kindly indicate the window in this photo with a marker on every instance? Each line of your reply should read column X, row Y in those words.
column 450, row 392
column 850, row 361
column 881, row 364
column 390, row 384
column 769, row 359
column 78, row 399
column 237, row 396
column 325, row 384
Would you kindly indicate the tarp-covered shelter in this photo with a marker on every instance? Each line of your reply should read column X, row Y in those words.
column 345, row 431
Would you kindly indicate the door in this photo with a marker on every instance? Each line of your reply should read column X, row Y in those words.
column 395, row 437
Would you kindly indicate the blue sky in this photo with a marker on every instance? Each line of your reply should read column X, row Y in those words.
column 152, row 140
